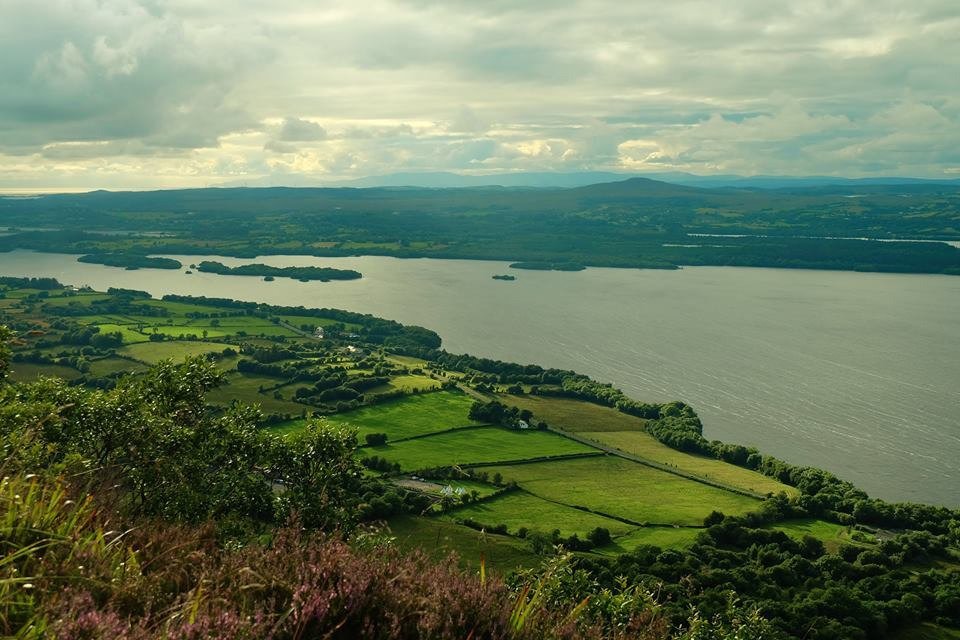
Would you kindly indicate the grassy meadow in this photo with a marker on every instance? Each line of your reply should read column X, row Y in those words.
column 406, row 417
column 625, row 489
column 476, row 445
column 518, row 509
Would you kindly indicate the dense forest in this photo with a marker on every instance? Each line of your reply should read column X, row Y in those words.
column 635, row 223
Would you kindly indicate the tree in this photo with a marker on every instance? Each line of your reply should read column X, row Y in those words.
column 376, row 439
column 321, row 475
column 5, row 336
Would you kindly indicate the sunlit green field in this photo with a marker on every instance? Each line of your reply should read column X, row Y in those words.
column 405, row 417
column 648, row 447
column 519, row 509
column 154, row 352
column 574, row 415
column 481, row 444
column 625, row 432
column 663, row 537
column 626, row 489
column 830, row 533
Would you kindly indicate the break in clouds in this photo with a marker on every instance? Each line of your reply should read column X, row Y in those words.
column 160, row 93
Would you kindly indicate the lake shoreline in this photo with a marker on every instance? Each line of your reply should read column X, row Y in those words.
column 852, row 372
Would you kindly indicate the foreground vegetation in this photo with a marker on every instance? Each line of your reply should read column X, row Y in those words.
column 574, row 510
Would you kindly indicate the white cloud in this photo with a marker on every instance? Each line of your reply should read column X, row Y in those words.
column 114, row 91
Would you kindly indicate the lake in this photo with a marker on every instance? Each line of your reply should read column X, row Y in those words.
column 857, row 373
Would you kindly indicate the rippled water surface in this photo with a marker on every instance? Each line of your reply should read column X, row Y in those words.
column 857, row 373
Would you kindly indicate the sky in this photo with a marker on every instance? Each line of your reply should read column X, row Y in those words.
column 189, row 93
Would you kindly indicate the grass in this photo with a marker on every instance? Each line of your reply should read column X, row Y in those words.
column 298, row 321
column 831, row 534
column 410, row 382
column 436, row 486
column 625, row 432
column 646, row 446
column 107, row 366
column 246, row 389
column 130, row 336
column 181, row 331
column 626, row 489
column 520, row 509
column 574, row 415
column 925, row 631
column 409, row 416
column 663, row 537
column 407, row 361
column 481, row 444
column 154, row 352
column 27, row 371
column 438, row 538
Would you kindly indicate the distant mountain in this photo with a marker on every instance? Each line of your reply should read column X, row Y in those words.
column 540, row 180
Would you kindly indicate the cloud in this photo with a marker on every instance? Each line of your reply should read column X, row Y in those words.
column 111, row 92
column 297, row 130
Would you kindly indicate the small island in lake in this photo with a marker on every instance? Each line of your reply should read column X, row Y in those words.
column 505, row 277
column 548, row 266
column 130, row 261
column 304, row 274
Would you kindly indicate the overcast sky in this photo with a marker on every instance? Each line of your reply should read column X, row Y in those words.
column 163, row 93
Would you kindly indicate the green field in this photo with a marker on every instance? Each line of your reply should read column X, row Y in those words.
column 405, row 417
column 830, row 533
column 438, row 538
column 626, row 489
column 574, row 415
column 154, row 352
column 27, row 371
column 410, row 382
column 481, row 444
column 107, row 366
column 619, row 430
column 520, row 509
column 130, row 335
column 648, row 447
column 246, row 389
column 925, row 631
column 663, row 537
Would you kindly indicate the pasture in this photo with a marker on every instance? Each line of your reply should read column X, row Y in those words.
column 108, row 366
column 830, row 533
column 439, row 538
column 154, row 352
column 625, row 489
column 621, row 431
column 28, row 372
column 475, row 445
column 246, row 390
column 409, row 416
column 645, row 446
column 518, row 509
column 663, row 537
column 574, row 415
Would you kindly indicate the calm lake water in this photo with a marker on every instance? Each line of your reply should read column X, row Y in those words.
column 856, row 373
